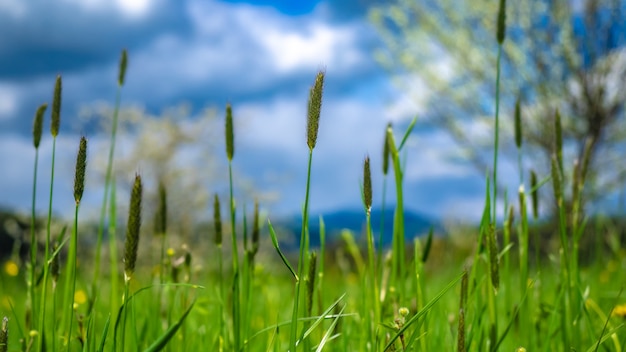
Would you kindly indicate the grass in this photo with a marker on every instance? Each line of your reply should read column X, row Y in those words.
column 423, row 293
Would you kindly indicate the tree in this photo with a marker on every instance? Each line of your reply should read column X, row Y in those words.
column 174, row 148
column 558, row 55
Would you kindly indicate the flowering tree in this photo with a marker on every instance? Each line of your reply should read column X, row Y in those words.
column 558, row 55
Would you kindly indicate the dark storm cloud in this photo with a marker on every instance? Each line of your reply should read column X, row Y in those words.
column 48, row 37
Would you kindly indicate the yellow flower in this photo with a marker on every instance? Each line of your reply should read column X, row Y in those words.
column 80, row 297
column 620, row 310
column 11, row 268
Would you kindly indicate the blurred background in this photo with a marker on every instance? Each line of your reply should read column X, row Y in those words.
column 385, row 61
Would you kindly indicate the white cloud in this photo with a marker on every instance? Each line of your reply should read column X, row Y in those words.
column 319, row 45
column 14, row 8
column 288, row 45
column 8, row 100
column 133, row 9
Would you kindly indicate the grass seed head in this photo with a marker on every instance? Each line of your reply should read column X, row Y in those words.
column 4, row 335
column 367, row 185
column 230, row 134
column 586, row 160
column 38, row 124
column 534, row 193
column 54, row 265
column 518, row 124
column 256, row 230
column 493, row 257
column 463, row 300
column 575, row 181
column 558, row 140
column 160, row 219
column 501, row 31
column 386, row 152
column 56, row 107
column 122, row 69
column 81, row 166
column 510, row 219
column 132, row 230
column 217, row 221
column 314, row 110
column 556, row 182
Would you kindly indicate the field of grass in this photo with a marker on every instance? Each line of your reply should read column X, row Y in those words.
column 484, row 290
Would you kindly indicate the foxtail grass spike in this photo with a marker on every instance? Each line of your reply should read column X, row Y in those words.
column 518, row 124
column 556, row 182
column 510, row 219
column 586, row 159
column 575, row 180
column 386, row 152
column 38, row 124
column 461, row 328
column 314, row 110
column 56, row 107
column 558, row 139
column 428, row 245
column 493, row 257
column 160, row 220
column 501, row 22
column 55, row 269
column 534, row 193
column 367, row 184
column 132, row 230
column 217, row 221
column 4, row 335
column 122, row 71
column 81, row 166
column 256, row 229
column 230, row 134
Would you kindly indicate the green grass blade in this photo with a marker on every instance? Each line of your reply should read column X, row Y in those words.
column 171, row 331
column 321, row 318
column 105, row 332
column 280, row 253
column 422, row 312
column 327, row 337
column 407, row 133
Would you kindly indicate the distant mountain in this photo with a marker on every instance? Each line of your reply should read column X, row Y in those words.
column 354, row 220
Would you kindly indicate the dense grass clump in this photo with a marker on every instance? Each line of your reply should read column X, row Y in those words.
column 482, row 291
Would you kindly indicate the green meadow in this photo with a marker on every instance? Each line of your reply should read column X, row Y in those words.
column 525, row 281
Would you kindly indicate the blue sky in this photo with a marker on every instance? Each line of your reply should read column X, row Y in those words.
column 261, row 56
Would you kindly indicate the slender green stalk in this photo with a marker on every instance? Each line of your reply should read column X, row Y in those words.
column 54, row 130
column 37, row 131
column 112, row 232
column 313, row 117
column 372, row 280
column 523, row 258
column 70, row 273
column 398, row 274
column 500, row 36
column 566, row 319
column 108, row 178
column 217, row 223
column 131, row 245
column 236, row 309
column 303, row 251
column 386, row 157
column 320, row 271
column 518, row 139
column 419, row 259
